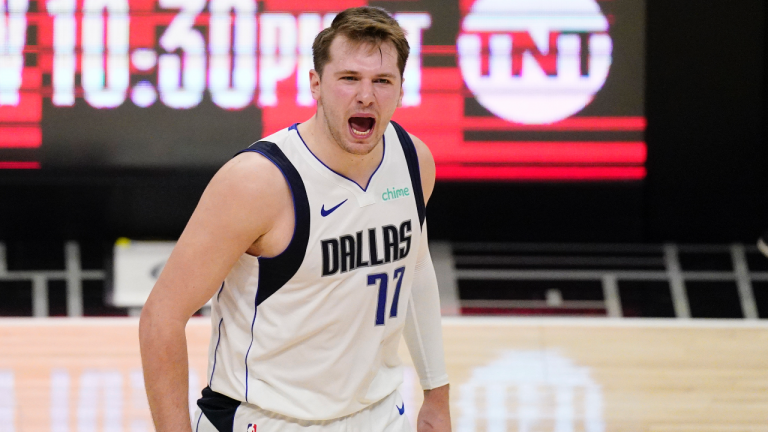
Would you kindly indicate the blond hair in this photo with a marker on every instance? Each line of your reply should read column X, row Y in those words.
column 364, row 24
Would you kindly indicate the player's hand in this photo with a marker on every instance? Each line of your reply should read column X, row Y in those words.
column 435, row 414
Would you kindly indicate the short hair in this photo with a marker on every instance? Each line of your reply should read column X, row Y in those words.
column 365, row 24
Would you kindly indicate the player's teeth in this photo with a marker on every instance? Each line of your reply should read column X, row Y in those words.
column 360, row 133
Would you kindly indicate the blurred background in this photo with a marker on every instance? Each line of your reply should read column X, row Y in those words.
column 595, row 158
column 583, row 122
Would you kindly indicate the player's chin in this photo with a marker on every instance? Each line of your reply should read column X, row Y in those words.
column 360, row 148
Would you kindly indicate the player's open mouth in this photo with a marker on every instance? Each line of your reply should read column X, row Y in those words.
column 361, row 126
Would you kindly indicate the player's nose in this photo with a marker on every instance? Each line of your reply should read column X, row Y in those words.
column 365, row 93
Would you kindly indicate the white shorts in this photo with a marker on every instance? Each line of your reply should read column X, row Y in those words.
column 387, row 415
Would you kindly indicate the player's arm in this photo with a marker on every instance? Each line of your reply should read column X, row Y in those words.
column 423, row 328
column 237, row 208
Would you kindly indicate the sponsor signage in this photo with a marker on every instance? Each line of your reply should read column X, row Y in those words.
column 499, row 89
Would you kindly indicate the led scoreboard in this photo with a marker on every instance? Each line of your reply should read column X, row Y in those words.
column 499, row 89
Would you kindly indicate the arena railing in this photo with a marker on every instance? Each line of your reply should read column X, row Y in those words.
column 455, row 263
column 73, row 275
column 608, row 264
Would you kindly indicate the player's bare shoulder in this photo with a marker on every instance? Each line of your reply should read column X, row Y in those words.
column 253, row 181
column 250, row 191
column 426, row 166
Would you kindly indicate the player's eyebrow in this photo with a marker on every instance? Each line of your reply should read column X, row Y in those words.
column 353, row 72
column 385, row 75
column 347, row 72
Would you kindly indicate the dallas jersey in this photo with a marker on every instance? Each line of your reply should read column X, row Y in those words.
column 313, row 333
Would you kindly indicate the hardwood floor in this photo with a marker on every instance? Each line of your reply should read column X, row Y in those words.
column 555, row 375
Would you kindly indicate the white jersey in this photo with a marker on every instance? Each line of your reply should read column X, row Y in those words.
column 314, row 332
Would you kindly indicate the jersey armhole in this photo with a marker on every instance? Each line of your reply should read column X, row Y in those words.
column 412, row 159
column 276, row 271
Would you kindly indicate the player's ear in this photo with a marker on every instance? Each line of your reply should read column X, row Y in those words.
column 400, row 99
column 314, row 84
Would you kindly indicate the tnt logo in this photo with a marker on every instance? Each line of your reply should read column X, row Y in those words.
column 534, row 61
column 531, row 390
column 251, row 427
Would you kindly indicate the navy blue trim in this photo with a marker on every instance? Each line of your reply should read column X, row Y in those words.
column 248, row 352
column 197, row 427
column 277, row 271
column 412, row 158
column 220, row 290
column 364, row 189
column 215, row 351
column 218, row 409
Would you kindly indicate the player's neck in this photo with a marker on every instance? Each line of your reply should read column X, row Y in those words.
column 353, row 166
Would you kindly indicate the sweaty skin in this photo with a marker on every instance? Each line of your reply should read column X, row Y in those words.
column 248, row 208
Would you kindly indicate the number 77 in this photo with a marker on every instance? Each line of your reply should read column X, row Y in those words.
column 383, row 279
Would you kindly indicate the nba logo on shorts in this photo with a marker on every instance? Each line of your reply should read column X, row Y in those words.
column 534, row 61
column 251, row 428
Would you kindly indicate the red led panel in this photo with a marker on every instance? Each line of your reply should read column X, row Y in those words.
column 518, row 90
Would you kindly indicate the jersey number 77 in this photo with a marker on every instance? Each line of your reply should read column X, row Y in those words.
column 382, row 280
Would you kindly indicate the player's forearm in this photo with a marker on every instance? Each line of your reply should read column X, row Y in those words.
column 166, row 371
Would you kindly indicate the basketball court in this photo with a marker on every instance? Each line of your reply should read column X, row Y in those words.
column 507, row 374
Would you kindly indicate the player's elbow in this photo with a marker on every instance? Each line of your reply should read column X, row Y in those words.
column 156, row 321
column 148, row 325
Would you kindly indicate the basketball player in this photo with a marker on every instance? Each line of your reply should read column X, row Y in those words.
column 319, row 237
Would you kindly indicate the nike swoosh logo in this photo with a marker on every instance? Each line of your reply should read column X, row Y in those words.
column 401, row 410
column 324, row 212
